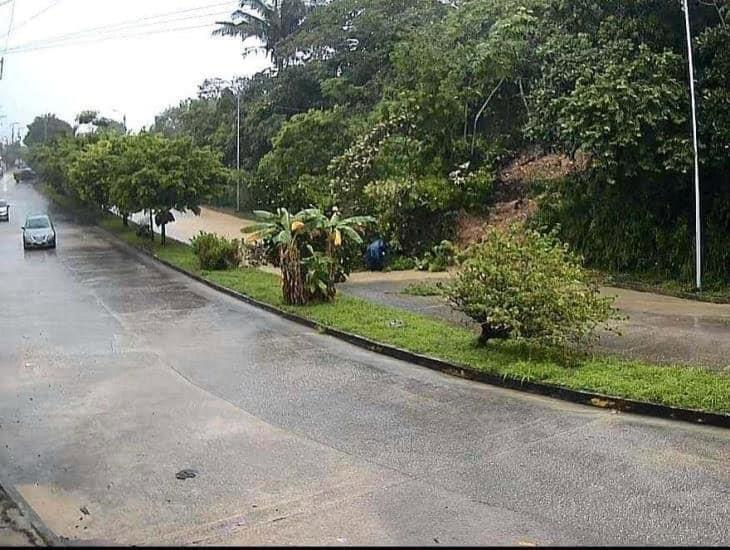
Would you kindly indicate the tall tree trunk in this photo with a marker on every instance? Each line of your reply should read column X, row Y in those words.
column 480, row 113
column 162, row 233
column 152, row 227
column 125, row 220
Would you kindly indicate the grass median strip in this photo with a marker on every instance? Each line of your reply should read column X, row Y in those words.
column 687, row 387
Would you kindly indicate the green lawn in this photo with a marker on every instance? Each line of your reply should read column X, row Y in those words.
column 694, row 388
column 423, row 289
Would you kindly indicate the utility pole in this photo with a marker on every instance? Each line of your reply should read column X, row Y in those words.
column 698, row 225
column 238, row 149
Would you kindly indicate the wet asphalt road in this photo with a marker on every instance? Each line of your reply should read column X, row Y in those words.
column 116, row 373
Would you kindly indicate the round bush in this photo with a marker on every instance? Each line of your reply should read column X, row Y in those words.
column 216, row 253
column 522, row 284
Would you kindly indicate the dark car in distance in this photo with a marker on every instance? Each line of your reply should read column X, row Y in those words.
column 24, row 174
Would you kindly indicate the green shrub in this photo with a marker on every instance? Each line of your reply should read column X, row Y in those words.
column 424, row 289
column 215, row 252
column 439, row 258
column 143, row 231
column 413, row 214
column 317, row 273
column 522, row 284
column 401, row 263
column 255, row 253
column 475, row 188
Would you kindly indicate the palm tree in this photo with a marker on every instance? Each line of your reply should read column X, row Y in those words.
column 269, row 21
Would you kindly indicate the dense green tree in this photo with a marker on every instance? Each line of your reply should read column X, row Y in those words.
column 46, row 128
column 94, row 170
column 294, row 171
column 158, row 174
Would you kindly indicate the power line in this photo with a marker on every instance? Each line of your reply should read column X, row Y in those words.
column 111, row 33
column 37, row 14
column 7, row 38
column 10, row 26
column 104, row 39
column 132, row 23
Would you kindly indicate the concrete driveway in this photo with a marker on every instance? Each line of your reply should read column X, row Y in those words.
column 116, row 374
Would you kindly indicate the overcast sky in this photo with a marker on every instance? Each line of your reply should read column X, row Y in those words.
column 135, row 75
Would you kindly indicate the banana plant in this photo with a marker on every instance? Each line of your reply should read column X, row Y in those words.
column 337, row 231
column 286, row 232
column 336, row 228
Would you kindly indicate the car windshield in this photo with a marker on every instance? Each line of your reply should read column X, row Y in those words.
column 3, row 202
column 37, row 223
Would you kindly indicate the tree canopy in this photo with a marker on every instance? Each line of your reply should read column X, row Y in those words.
column 46, row 128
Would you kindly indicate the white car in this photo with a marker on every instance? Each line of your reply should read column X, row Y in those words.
column 38, row 232
column 4, row 210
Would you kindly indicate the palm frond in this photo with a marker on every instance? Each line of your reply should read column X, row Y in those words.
column 358, row 220
column 265, row 8
column 264, row 215
column 351, row 233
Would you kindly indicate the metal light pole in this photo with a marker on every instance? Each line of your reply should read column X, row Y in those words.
column 233, row 82
column 238, row 149
column 698, row 225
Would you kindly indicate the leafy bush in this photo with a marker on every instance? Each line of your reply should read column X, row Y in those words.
column 522, row 284
column 401, row 263
column 255, row 253
column 413, row 213
column 215, row 252
column 424, row 289
column 318, row 268
column 439, row 258
column 144, row 231
column 293, row 172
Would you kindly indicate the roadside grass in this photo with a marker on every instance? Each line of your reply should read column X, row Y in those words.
column 689, row 387
column 424, row 289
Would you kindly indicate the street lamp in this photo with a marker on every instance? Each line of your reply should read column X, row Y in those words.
column 234, row 84
column 238, row 149
column 698, row 226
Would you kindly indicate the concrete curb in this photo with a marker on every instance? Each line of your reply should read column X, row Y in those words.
column 38, row 525
column 462, row 371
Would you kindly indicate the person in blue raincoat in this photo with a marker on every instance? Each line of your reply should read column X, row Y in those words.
column 375, row 255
